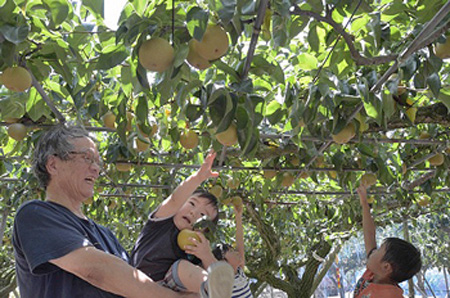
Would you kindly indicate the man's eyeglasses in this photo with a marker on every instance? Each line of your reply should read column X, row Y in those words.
column 88, row 158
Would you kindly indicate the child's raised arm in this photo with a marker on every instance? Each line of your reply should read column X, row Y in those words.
column 238, row 209
column 370, row 241
column 183, row 191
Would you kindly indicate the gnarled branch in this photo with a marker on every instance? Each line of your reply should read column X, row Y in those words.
column 349, row 39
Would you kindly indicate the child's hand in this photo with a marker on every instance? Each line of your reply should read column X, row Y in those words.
column 238, row 208
column 205, row 170
column 362, row 191
column 201, row 248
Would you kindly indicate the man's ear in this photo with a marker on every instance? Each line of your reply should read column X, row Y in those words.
column 51, row 164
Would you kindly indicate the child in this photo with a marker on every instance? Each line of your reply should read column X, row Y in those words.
column 394, row 261
column 156, row 251
column 236, row 257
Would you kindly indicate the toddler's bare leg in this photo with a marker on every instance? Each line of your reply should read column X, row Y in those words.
column 192, row 276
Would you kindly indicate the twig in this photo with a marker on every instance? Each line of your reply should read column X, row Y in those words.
column 417, row 43
column 418, row 181
column 47, row 99
column 349, row 39
column 256, row 30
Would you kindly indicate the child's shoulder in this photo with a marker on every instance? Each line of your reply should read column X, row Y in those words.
column 383, row 290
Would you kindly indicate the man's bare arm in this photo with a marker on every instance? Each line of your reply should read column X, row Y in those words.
column 112, row 274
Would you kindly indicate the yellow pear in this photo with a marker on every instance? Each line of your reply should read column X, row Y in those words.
column 437, row 159
column 16, row 79
column 183, row 238
column 411, row 114
column 368, row 179
column 109, row 120
column 442, row 50
column 156, row 54
column 423, row 202
column 214, row 43
column 130, row 117
column 345, row 135
column 154, row 130
column 123, row 167
column 295, row 161
column 236, row 201
column 269, row 174
column 216, row 190
column 304, row 175
column 233, row 182
column 189, row 139
column 142, row 145
column 195, row 59
column 17, row 131
column 332, row 174
column 287, row 180
column 424, row 135
column 228, row 137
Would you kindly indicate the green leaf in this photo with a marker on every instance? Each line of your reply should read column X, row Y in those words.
column 388, row 105
column 96, row 6
column 11, row 108
column 58, row 9
column 434, row 82
column 227, row 69
column 307, row 61
column 245, row 86
column 14, row 34
column 6, row 11
column 366, row 150
column 197, row 21
column 193, row 112
column 36, row 106
column 444, row 96
column 110, row 59
column 313, row 38
column 227, row 11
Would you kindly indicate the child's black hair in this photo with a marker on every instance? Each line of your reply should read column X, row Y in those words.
column 220, row 250
column 212, row 200
column 403, row 257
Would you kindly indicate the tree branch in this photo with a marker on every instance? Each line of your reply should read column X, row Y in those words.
column 349, row 39
column 416, row 44
column 47, row 100
column 256, row 30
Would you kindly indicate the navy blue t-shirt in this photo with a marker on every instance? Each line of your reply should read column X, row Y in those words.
column 156, row 248
column 44, row 231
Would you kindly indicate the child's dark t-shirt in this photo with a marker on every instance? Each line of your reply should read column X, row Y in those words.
column 156, row 248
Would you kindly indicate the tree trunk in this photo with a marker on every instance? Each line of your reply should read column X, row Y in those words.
column 326, row 266
column 305, row 288
column 3, row 225
column 420, row 281
column 446, row 282
column 410, row 281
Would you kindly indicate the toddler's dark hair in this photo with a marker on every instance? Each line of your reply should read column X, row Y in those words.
column 220, row 250
column 403, row 257
column 212, row 200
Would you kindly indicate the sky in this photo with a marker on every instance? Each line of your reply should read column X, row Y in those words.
column 113, row 8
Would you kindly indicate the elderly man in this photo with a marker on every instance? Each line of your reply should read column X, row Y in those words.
column 59, row 251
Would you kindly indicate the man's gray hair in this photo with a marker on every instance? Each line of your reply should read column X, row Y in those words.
column 56, row 141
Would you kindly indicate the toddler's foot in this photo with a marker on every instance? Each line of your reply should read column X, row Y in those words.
column 220, row 281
